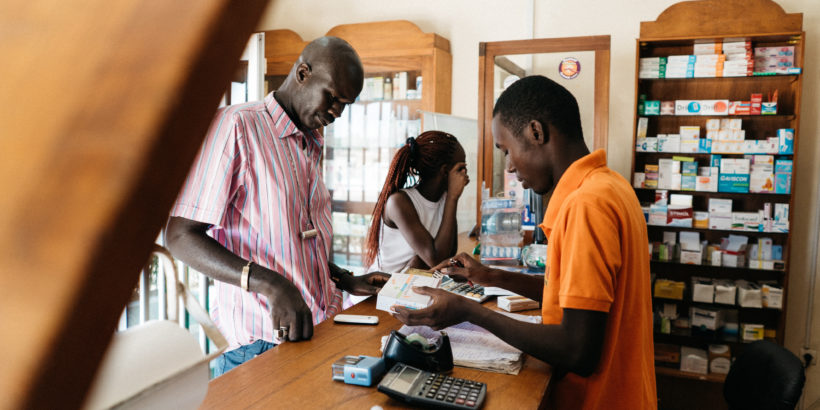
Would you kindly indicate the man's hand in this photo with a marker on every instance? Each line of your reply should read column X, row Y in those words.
column 369, row 284
column 446, row 310
column 287, row 308
column 457, row 179
column 464, row 267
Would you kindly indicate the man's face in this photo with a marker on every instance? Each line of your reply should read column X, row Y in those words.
column 325, row 94
column 523, row 157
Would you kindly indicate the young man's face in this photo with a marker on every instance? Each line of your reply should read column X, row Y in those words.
column 325, row 94
column 524, row 157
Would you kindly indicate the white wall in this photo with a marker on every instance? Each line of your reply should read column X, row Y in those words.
column 467, row 22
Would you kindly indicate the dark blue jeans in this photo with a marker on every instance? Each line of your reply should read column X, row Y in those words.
column 228, row 360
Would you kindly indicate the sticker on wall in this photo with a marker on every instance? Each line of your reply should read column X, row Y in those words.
column 569, row 68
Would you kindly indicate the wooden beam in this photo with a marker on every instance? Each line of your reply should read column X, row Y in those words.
column 108, row 104
column 510, row 67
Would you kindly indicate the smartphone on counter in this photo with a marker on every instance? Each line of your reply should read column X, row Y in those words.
column 356, row 319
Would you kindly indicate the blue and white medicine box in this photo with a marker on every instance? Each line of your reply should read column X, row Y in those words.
column 785, row 138
column 782, row 183
column 734, row 183
column 783, row 166
column 705, row 146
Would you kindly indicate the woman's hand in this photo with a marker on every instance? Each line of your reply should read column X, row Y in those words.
column 457, row 179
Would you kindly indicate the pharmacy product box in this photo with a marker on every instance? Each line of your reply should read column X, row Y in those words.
column 680, row 216
column 733, row 183
column 667, row 108
column 701, row 220
column 781, row 219
column 725, row 293
column 705, row 184
column 691, row 257
column 720, row 222
column 643, row 123
column 652, row 107
column 783, row 166
column 638, row 179
column 694, row 360
column 399, row 291
column 669, row 289
column 710, row 319
column 772, row 297
column 761, row 182
column 768, row 108
column 689, row 168
column 703, row 291
column 720, row 206
column 704, row 146
column 689, row 132
column 688, row 182
column 690, row 146
column 745, row 221
column 713, row 124
column 756, row 101
column 782, row 183
column 748, row 294
column 785, row 137
column 714, row 160
column 750, row 332
column 651, row 144
column 669, row 143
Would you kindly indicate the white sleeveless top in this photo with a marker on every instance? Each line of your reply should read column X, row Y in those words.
column 394, row 250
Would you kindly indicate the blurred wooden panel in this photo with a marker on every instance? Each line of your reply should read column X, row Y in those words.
column 104, row 106
column 689, row 19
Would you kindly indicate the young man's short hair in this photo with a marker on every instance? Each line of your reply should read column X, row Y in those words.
column 538, row 98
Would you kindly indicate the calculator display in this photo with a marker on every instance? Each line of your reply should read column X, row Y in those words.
column 404, row 382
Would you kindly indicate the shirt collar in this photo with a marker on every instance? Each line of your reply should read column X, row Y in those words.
column 283, row 125
column 569, row 182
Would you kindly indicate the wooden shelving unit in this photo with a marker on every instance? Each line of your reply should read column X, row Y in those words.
column 675, row 32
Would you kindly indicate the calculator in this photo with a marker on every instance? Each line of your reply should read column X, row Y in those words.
column 474, row 292
column 414, row 386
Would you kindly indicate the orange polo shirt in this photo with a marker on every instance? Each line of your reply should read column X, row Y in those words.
column 598, row 260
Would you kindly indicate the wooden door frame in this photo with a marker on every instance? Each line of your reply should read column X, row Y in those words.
column 488, row 51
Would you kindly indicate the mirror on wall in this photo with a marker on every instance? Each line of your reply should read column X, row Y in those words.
column 581, row 64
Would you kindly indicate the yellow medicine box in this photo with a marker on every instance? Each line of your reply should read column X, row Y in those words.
column 669, row 289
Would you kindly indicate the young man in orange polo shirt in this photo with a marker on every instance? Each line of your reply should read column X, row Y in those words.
column 596, row 302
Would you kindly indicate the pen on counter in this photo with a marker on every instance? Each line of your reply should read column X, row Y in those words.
column 454, row 262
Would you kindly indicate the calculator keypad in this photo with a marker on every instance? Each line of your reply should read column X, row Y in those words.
column 451, row 390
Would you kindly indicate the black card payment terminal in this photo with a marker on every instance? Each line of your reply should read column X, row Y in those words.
column 419, row 387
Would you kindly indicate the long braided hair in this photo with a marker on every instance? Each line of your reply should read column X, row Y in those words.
column 419, row 158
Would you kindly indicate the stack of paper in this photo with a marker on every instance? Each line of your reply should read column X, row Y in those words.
column 475, row 347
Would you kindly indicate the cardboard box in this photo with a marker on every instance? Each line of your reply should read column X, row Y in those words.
column 703, row 291
column 735, row 166
column 749, row 294
column 669, row 143
column 669, row 289
column 708, row 319
column 772, row 297
column 691, row 257
column 725, row 293
column 694, row 360
column 745, row 221
column 750, row 332
column 688, row 132
column 399, row 291
column 735, row 183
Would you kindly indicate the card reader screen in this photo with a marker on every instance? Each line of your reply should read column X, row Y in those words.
column 404, row 382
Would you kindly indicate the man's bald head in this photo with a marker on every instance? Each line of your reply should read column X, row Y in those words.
column 333, row 53
column 327, row 77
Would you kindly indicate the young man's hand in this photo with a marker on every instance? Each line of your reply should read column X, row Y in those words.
column 464, row 267
column 446, row 310
column 369, row 284
column 288, row 309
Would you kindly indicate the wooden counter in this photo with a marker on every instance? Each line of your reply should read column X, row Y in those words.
column 298, row 375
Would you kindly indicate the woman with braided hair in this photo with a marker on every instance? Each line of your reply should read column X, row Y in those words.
column 414, row 222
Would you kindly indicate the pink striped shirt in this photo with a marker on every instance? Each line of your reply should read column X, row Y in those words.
column 251, row 181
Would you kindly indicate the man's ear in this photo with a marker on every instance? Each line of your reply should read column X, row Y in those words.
column 303, row 72
column 539, row 133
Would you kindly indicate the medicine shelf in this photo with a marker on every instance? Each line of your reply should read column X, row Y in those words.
column 700, row 155
column 711, row 377
column 728, row 231
column 705, row 305
column 784, row 117
column 718, row 194
column 755, row 78
column 683, row 272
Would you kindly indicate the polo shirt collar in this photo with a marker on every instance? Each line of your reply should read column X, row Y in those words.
column 283, row 125
column 569, row 182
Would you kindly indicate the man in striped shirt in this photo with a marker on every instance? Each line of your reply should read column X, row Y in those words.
column 254, row 213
